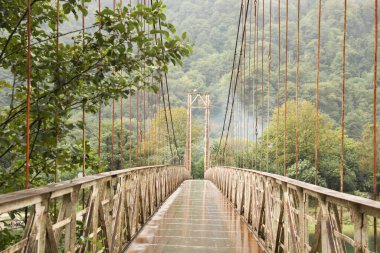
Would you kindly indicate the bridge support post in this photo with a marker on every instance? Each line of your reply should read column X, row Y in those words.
column 202, row 101
column 207, row 133
column 188, row 133
column 326, row 232
column 42, row 215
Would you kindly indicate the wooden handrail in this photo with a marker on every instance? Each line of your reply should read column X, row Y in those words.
column 9, row 198
column 369, row 203
column 284, row 213
column 111, row 208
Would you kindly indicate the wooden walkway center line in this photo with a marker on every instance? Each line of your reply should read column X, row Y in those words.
column 213, row 226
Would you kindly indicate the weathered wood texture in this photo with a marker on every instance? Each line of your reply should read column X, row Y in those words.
column 287, row 215
column 97, row 213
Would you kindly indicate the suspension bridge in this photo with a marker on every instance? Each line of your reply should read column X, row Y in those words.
column 139, row 205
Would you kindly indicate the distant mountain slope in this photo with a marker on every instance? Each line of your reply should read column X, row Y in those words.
column 212, row 25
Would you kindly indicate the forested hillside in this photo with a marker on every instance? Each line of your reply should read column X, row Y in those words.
column 212, row 26
column 92, row 86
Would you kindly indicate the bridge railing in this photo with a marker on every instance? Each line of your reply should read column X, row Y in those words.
column 287, row 215
column 98, row 213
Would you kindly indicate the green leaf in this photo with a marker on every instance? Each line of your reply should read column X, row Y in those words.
column 66, row 8
column 107, row 11
column 120, row 27
column 4, row 84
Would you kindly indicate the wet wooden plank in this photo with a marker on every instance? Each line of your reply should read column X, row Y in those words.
column 196, row 218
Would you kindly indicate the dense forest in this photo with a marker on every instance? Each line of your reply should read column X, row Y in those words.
column 211, row 27
column 75, row 77
column 99, row 99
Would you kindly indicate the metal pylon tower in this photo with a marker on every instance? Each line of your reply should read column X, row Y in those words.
column 198, row 101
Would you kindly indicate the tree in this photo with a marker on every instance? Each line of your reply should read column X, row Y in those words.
column 95, row 67
column 158, row 135
column 365, row 158
column 328, row 151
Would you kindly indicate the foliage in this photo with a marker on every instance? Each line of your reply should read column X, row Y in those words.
column 98, row 65
column 212, row 25
column 8, row 237
column 365, row 157
column 357, row 163
column 158, row 134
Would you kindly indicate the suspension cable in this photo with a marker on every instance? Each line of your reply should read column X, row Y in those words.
column 232, row 75
column 113, row 116
column 166, row 118
column 56, row 116
column 149, row 113
column 137, row 127
column 144, row 104
column 169, row 105
column 236, row 81
column 113, row 135
column 28, row 95
column 269, row 80
column 317, row 92
column 262, row 84
column 297, row 82
column 83, row 111
column 250, row 69
column 158, row 115
column 343, row 97
column 375, row 101
column 121, row 135
column 257, row 81
column 286, row 82
column 100, row 103
column 144, row 127
column 149, row 129
column 171, row 115
column 164, row 101
column 243, row 100
column 253, row 86
column 130, row 130
column 278, row 82
column 375, row 116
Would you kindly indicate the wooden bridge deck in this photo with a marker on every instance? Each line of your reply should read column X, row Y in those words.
column 196, row 218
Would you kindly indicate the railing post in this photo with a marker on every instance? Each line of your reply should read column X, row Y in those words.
column 360, row 229
column 236, row 182
column 253, row 193
column 287, row 213
column 268, row 215
column 325, row 247
column 301, row 220
column 95, row 216
column 42, row 216
column 156, row 188
column 248, row 195
column 70, row 233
